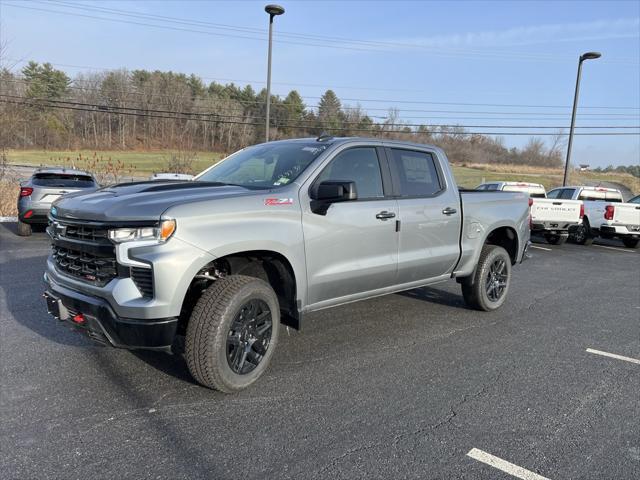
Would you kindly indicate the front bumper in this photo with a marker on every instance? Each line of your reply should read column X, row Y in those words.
column 101, row 323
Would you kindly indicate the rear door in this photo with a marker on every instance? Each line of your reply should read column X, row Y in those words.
column 352, row 248
column 430, row 216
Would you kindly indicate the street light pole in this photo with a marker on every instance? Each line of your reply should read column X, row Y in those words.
column 583, row 57
column 272, row 10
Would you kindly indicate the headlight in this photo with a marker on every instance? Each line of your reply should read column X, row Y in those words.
column 161, row 233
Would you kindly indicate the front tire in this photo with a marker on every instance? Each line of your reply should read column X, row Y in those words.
column 487, row 288
column 630, row 242
column 232, row 333
column 24, row 229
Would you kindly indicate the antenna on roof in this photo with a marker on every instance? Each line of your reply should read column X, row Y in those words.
column 324, row 136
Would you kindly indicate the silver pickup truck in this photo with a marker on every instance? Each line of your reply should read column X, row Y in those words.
column 271, row 233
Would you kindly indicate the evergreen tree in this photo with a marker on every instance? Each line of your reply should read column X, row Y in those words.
column 330, row 111
column 44, row 81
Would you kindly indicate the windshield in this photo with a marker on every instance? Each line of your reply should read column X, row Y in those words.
column 265, row 166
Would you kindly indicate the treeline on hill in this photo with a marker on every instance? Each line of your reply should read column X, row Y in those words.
column 42, row 107
column 630, row 169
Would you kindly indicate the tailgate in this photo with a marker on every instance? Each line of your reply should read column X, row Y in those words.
column 626, row 214
column 555, row 210
column 48, row 195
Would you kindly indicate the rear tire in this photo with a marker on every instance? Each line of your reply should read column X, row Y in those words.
column 557, row 239
column 630, row 242
column 225, row 349
column 582, row 234
column 487, row 288
column 24, row 229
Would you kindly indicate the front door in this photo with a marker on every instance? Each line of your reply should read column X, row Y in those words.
column 352, row 248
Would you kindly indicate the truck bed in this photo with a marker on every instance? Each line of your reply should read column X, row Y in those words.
column 484, row 211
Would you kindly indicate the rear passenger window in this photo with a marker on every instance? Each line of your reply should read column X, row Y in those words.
column 567, row 193
column 554, row 193
column 416, row 172
column 359, row 165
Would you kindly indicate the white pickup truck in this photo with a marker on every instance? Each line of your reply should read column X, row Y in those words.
column 553, row 218
column 605, row 214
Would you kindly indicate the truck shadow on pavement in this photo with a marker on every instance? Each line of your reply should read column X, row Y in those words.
column 434, row 295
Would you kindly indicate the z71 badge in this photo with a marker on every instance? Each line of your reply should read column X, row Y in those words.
column 272, row 202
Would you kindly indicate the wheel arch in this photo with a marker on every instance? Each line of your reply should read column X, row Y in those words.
column 269, row 265
column 507, row 238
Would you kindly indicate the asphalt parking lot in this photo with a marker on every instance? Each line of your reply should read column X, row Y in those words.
column 412, row 385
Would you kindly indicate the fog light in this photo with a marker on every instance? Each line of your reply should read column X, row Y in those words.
column 78, row 318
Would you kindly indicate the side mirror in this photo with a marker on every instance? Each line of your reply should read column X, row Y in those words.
column 332, row 191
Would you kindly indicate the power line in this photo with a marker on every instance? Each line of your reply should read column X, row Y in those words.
column 118, row 109
column 503, row 105
column 220, row 79
column 340, row 41
column 306, row 128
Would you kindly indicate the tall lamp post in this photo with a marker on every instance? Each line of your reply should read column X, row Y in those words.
column 583, row 57
column 272, row 10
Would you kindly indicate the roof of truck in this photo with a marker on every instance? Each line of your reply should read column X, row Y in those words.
column 597, row 189
column 514, row 184
column 339, row 140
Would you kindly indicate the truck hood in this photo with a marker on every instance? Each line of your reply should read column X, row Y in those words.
column 139, row 201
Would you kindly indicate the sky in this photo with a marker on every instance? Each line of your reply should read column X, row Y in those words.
column 500, row 63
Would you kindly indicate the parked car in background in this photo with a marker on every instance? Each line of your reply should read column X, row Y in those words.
column 605, row 215
column 267, row 235
column 171, row 176
column 553, row 219
column 46, row 185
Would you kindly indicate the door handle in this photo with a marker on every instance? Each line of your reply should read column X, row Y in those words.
column 449, row 211
column 384, row 215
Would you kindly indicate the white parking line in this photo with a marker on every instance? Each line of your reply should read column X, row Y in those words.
column 542, row 248
column 625, row 250
column 503, row 465
column 613, row 355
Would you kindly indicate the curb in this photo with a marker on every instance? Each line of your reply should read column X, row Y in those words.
column 8, row 219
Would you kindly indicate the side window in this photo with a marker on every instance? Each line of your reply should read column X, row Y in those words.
column 359, row 165
column 492, row 186
column 567, row 193
column 416, row 172
column 554, row 193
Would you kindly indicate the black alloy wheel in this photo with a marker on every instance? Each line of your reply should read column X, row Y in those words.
column 249, row 336
column 496, row 281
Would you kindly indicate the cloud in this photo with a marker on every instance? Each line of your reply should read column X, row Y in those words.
column 531, row 35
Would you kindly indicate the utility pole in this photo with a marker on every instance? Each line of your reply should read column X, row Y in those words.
column 272, row 10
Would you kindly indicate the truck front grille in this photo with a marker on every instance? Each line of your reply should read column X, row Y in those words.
column 83, row 251
column 143, row 278
column 83, row 232
column 98, row 270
